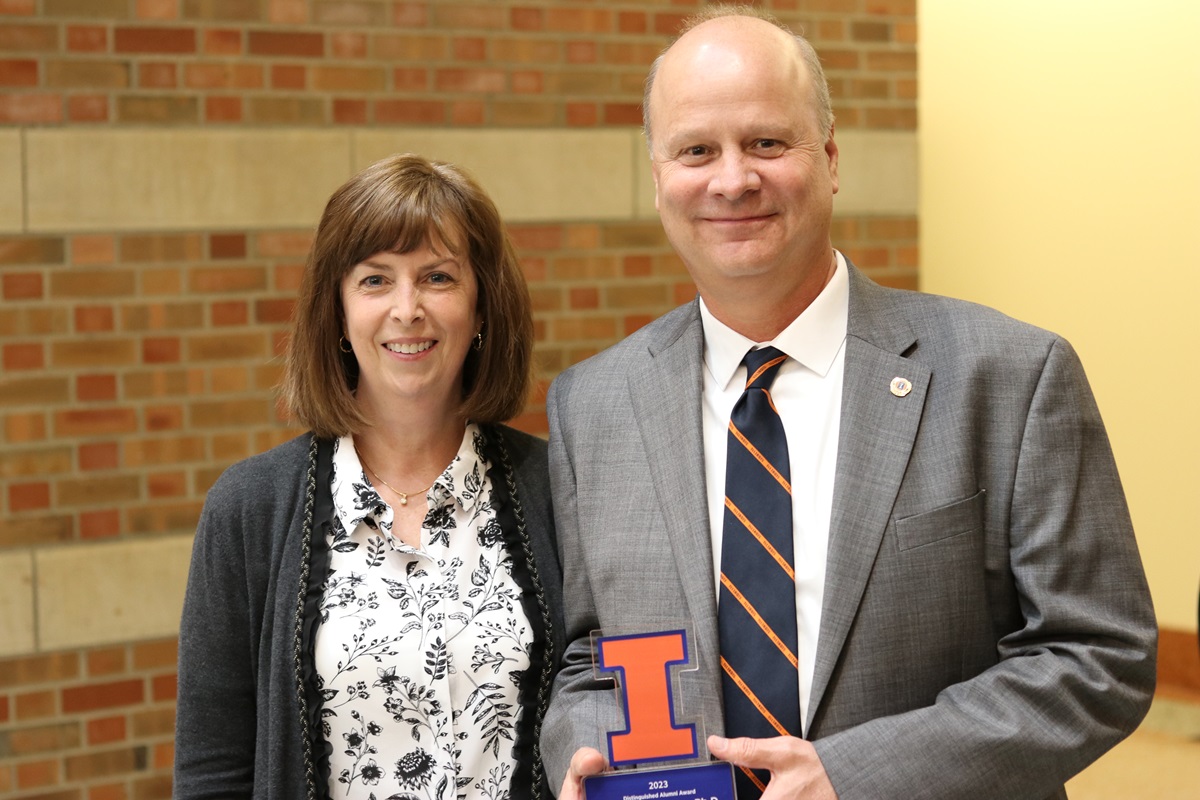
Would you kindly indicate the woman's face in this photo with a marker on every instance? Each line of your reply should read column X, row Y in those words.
column 411, row 319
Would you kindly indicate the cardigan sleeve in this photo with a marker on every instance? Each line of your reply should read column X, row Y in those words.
column 216, row 706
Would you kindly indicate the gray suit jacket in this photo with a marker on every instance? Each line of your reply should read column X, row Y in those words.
column 986, row 631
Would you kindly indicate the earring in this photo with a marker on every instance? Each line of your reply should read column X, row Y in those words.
column 344, row 346
column 478, row 345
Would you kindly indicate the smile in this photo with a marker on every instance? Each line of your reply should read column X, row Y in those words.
column 410, row 349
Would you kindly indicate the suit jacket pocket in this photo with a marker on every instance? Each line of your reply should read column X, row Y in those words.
column 946, row 522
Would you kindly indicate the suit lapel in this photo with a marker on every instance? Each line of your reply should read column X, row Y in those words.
column 878, row 429
column 665, row 391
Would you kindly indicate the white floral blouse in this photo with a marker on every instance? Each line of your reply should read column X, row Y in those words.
column 419, row 653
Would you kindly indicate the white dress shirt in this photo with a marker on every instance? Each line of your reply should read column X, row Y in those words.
column 808, row 395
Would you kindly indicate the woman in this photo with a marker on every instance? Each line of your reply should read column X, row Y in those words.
column 373, row 609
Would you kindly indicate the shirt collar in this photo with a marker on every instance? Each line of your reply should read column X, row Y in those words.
column 355, row 499
column 812, row 339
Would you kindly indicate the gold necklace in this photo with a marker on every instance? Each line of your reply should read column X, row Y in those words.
column 402, row 495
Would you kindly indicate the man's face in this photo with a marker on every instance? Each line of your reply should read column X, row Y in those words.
column 744, row 181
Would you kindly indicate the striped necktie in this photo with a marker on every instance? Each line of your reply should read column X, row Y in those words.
column 757, row 611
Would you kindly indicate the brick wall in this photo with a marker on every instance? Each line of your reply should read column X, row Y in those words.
column 138, row 358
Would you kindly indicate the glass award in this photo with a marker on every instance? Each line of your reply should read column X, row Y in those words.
column 646, row 668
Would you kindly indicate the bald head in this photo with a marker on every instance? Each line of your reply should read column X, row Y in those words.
column 727, row 31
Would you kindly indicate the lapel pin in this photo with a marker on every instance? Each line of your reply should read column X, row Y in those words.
column 901, row 386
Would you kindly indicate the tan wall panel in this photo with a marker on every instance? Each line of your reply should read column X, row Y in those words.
column 12, row 199
column 107, row 180
column 877, row 172
column 119, row 592
column 16, row 603
column 531, row 174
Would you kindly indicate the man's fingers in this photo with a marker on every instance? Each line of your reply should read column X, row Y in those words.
column 586, row 761
column 775, row 754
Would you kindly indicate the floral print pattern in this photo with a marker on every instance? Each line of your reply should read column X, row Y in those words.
column 420, row 652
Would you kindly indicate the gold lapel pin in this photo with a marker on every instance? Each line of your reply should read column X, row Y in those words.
column 901, row 386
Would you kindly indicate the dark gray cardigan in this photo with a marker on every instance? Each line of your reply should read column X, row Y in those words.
column 248, row 713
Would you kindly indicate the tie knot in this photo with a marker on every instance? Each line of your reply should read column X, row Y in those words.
column 761, row 367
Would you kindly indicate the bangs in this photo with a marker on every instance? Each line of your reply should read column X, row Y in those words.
column 400, row 216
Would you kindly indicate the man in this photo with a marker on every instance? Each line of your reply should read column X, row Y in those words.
column 972, row 619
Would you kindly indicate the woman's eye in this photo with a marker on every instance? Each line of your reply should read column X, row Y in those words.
column 373, row 280
column 439, row 278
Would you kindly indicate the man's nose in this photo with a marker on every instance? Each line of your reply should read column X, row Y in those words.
column 736, row 174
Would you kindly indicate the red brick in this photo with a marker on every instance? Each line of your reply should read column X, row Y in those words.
column 161, row 350
column 96, row 388
column 349, row 112
column 154, row 40
column 156, row 110
column 99, row 524
column 469, row 48
column 164, row 418
column 164, row 687
column 25, row 427
column 24, row 355
column 4, row 713
column 344, row 44
column 536, row 237
column 631, row 21
column 289, row 12
column 105, row 730
column 583, row 114
column 348, row 79
column 93, row 249
column 410, row 79
column 222, row 109
column 31, row 109
column 273, row 311
column 469, row 80
column 87, row 108
column 155, row 655
column 233, row 312
column 94, row 422
column 98, row 455
column 158, row 9
column 91, row 319
column 527, row 19
column 166, row 484
column 668, row 23
column 22, row 286
column 410, row 15
column 28, row 496
column 87, row 38
column 158, row 75
column 23, row 8
column 581, row 52
column 288, row 76
column 28, row 38
column 18, row 72
column 578, row 20
column 106, row 661
column 103, row 763
column 395, row 111
column 227, row 245
column 279, row 43
column 94, row 697
column 623, row 113
column 222, row 42
column 36, row 705
column 212, row 75
column 108, row 791
column 36, row 774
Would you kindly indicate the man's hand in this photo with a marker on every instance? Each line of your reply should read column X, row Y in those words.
column 796, row 771
column 586, row 761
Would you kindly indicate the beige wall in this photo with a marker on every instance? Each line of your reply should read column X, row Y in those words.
column 1060, row 183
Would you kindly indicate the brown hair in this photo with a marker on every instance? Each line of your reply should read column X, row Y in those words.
column 398, row 205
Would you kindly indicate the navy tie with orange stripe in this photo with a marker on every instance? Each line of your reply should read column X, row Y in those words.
column 757, row 611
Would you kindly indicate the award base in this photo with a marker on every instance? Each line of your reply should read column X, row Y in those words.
column 712, row 781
